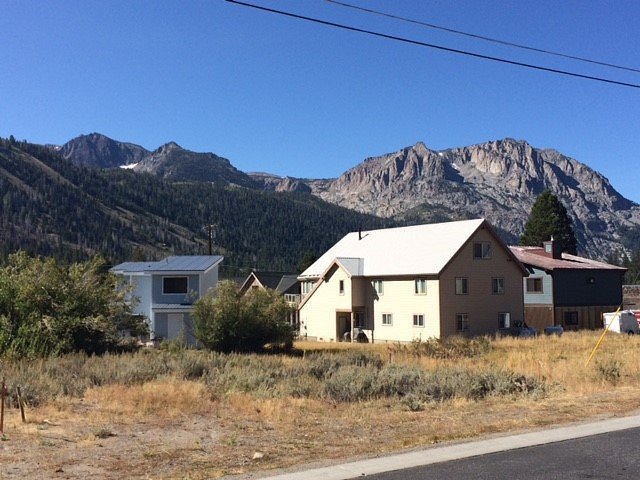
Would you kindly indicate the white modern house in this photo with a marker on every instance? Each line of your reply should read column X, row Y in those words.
column 164, row 291
column 417, row 282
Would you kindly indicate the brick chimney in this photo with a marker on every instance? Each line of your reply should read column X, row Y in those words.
column 553, row 249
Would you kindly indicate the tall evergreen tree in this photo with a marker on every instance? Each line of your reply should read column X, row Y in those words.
column 549, row 218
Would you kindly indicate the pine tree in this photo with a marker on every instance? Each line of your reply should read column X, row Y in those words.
column 549, row 218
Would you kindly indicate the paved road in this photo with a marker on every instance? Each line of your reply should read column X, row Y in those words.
column 598, row 450
column 607, row 456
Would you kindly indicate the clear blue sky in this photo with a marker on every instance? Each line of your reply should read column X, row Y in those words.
column 292, row 98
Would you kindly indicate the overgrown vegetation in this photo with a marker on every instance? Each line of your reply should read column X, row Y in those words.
column 50, row 309
column 228, row 322
column 344, row 377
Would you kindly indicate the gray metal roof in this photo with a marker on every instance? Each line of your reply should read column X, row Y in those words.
column 178, row 263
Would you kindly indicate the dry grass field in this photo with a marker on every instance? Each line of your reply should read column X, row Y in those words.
column 190, row 414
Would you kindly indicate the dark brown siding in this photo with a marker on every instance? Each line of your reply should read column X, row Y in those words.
column 587, row 287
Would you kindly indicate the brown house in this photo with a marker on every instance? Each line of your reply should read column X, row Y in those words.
column 567, row 290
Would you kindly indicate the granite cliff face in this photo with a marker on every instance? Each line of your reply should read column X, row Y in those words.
column 498, row 180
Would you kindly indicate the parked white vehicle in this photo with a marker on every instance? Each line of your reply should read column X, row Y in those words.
column 623, row 322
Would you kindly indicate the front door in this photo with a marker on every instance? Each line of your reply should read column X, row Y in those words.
column 343, row 327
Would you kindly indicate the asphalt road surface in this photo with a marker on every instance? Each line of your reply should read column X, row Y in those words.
column 601, row 449
column 607, row 456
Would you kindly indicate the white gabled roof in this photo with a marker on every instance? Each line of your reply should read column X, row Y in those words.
column 415, row 250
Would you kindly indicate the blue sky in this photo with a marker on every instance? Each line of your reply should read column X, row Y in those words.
column 293, row 98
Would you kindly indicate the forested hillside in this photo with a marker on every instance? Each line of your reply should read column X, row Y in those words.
column 52, row 207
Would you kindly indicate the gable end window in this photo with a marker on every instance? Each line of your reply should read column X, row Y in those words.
column 481, row 250
column 462, row 286
column 378, row 286
column 387, row 319
column 418, row 320
column 534, row 285
column 497, row 286
column 175, row 285
column 420, row 286
column 341, row 287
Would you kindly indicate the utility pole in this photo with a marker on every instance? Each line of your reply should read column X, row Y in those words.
column 210, row 228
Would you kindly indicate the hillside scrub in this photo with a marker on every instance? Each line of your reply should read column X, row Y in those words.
column 50, row 309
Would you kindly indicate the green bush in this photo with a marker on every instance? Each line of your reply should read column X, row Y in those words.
column 227, row 322
column 50, row 309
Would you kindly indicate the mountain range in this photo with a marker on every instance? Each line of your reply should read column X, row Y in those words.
column 54, row 207
column 498, row 180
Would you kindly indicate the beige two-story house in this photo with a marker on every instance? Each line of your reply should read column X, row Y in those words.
column 408, row 283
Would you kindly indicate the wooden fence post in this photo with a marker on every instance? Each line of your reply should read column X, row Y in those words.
column 2, row 407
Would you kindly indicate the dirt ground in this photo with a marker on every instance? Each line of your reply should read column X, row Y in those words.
column 80, row 439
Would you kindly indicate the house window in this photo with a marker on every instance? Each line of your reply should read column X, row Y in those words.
column 462, row 322
column 462, row 285
column 387, row 319
column 378, row 287
column 481, row 250
column 418, row 320
column 571, row 318
column 359, row 320
column 175, row 285
column 341, row 287
column 534, row 285
column 497, row 286
column 504, row 320
column 420, row 286
column 305, row 287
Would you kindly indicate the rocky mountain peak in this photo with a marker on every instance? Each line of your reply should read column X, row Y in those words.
column 498, row 180
column 97, row 150
column 168, row 147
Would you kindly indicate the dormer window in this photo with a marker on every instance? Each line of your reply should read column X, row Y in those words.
column 179, row 285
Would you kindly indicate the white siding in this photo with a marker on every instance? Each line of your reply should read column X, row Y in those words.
column 318, row 314
column 399, row 299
